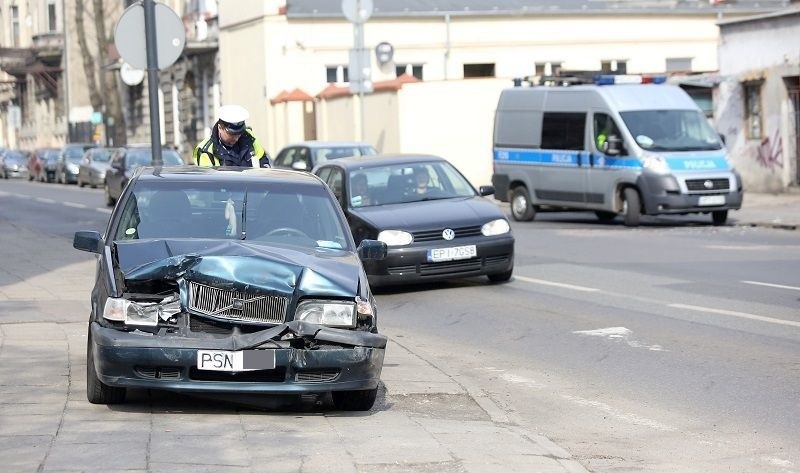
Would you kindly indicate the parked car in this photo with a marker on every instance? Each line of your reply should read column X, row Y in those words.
column 51, row 158
column 124, row 161
column 304, row 156
column 14, row 163
column 37, row 162
column 92, row 170
column 69, row 162
column 231, row 280
column 437, row 226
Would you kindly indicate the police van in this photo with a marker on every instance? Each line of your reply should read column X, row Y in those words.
column 623, row 145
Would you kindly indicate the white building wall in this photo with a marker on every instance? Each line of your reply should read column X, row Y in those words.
column 767, row 50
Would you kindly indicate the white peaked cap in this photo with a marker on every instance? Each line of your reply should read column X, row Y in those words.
column 233, row 113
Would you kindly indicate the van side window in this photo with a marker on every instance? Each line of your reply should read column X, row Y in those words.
column 603, row 127
column 563, row 130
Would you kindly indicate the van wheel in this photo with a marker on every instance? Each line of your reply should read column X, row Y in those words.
column 631, row 207
column 604, row 216
column 719, row 217
column 521, row 208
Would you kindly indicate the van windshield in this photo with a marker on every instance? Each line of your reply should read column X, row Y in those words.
column 671, row 130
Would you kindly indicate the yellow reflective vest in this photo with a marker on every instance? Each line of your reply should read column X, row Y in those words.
column 204, row 152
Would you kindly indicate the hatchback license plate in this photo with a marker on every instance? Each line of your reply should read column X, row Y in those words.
column 711, row 200
column 247, row 360
column 436, row 255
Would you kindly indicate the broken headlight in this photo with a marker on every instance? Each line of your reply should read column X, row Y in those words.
column 140, row 313
column 330, row 313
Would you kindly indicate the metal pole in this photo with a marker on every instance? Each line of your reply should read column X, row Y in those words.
column 65, row 75
column 360, row 46
column 152, row 79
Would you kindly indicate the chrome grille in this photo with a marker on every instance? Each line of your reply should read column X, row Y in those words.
column 236, row 305
column 434, row 235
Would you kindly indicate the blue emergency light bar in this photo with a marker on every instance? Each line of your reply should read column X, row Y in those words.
column 628, row 79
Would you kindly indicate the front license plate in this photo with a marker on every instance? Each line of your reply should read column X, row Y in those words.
column 248, row 360
column 436, row 255
column 711, row 200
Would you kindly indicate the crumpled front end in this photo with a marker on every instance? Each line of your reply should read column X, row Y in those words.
column 231, row 317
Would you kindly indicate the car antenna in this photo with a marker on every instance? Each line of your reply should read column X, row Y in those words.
column 244, row 215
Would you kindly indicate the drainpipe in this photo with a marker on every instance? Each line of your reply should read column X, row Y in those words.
column 65, row 75
column 446, row 45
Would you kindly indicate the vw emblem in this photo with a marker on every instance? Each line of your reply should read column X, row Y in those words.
column 448, row 234
column 708, row 184
column 238, row 304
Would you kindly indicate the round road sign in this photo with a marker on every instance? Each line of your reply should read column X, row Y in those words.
column 130, row 38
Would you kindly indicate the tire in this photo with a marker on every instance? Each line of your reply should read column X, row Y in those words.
column 521, row 208
column 98, row 392
column 719, row 217
column 354, row 400
column 632, row 207
column 604, row 216
column 110, row 201
column 500, row 277
column 80, row 183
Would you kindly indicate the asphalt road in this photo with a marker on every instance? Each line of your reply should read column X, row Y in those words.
column 674, row 346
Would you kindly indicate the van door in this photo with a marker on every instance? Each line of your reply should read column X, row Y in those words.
column 607, row 169
column 562, row 163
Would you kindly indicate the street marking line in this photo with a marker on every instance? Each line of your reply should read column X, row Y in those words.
column 73, row 205
column 732, row 313
column 4, row 194
column 557, row 284
column 105, row 211
column 23, row 196
column 44, row 200
column 779, row 286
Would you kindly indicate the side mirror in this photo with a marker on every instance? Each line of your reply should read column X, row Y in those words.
column 486, row 190
column 88, row 241
column 372, row 249
column 613, row 146
column 299, row 166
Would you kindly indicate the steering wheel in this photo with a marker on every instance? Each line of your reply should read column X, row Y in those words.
column 288, row 231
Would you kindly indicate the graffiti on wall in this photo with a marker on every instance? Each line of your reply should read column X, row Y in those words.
column 770, row 152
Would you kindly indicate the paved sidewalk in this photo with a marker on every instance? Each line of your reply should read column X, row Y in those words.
column 424, row 420
column 769, row 210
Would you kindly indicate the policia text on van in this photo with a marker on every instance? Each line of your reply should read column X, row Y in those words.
column 627, row 149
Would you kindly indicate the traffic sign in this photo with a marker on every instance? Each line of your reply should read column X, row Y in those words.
column 357, row 11
column 130, row 38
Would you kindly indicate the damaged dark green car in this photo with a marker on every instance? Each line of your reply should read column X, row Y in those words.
column 231, row 280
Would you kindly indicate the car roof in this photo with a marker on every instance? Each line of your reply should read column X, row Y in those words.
column 328, row 144
column 225, row 174
column 359, row 162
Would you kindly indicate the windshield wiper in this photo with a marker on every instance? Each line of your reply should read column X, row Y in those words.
column 244, row 216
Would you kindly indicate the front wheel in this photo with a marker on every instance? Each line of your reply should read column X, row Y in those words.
column 501, row 277
column 521, row 208
column 631, row 207
column 354, row 400
column 719, row 217
column 98, row 392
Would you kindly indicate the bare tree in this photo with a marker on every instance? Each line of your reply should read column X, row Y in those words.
column 104, row 93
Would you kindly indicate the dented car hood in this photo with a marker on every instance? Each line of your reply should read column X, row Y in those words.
column 241, row 265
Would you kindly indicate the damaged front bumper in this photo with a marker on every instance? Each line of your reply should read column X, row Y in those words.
column 330, row 359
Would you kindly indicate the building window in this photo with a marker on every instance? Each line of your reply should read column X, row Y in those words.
column 548, row 69
column 14, row 25
column 410, row 69
column 679, row 64
column 563, row 131
column 336, row 74
column 478, row 70
column 752, row 109
column 51, row 16
column 614, row 66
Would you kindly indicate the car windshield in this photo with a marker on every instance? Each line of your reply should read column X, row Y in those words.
column 144, row 157
column 14, row 156
column 671, row 130
column 101, row 155
column 52, row 156
column 335, row 152
column 75, row 154
column 398, row 183
column 285, row 214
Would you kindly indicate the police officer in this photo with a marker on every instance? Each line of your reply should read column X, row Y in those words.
column 231, row 143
